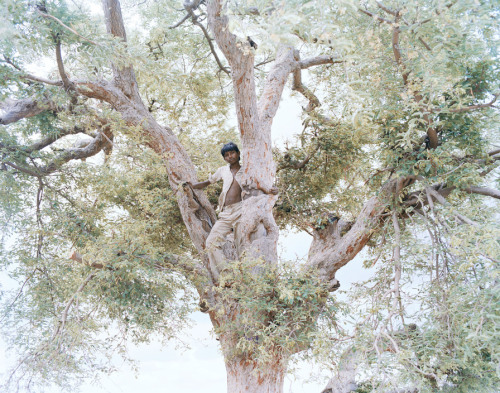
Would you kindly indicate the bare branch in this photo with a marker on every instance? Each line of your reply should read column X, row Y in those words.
column 484, row 191
column 68, row 85
column 64, row 316
column 318, row 60
column 386, row 9
column 45, row 15
column 186, row 17
column 194, row 18
column 299, row 86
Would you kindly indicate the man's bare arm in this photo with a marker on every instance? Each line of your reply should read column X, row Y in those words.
column 198, row 186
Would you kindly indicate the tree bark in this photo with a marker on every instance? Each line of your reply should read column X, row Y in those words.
column 244, row 377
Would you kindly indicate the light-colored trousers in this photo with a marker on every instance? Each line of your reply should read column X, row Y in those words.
column 228, row 220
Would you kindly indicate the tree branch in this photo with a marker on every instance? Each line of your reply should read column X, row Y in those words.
column 191, row 267
column 301, row 164
column 275, row 82
column 227, row 41
column 76, row 153
column 16, row 110
column 68, row 85
column 379, row 18
column 318, row 60
column 64, row 316
column 34, row 78
column 124, row 77
column 186, row 17
column 468, row 108
column 189, row 8
column 483, row 191
column 386, row 9
column 299, row 86
column 45, row 15
column 330, row 250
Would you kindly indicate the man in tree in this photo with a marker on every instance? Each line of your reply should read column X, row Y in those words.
column 392, row 73
column 229, row 206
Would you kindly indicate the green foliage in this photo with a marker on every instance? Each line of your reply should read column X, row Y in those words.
column 440, row 335
column 119, row 211
column 277, row 309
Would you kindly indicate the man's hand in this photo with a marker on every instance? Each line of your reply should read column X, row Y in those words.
column 273, row 190
column 185, row 184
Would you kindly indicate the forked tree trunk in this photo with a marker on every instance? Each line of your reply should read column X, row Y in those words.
column 258, row 228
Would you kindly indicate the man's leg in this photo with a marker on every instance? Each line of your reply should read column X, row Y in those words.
column 215, row 240
column 235, row 221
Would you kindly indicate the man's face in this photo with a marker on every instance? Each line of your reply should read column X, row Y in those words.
column 231, row 157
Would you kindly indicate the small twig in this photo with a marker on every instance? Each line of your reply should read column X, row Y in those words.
column 379, row 18
column 32, row 77
column 468, row 108
column 64, row 316
column 386, row 9
column 189, row 8
column 396, row 305
column 186, row 17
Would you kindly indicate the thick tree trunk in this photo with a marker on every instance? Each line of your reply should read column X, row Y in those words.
column 243, row 377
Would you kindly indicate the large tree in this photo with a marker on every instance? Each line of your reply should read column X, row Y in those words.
column 398, row 135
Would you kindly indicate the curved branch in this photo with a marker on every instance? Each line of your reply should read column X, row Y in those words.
column 100, row 142
column 330, row 250
column 297, row 77
column 299, row 86
column 77, row 153
column 68, row 85
column 301, row 164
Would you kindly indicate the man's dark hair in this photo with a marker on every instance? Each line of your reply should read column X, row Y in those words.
column 230, row 146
